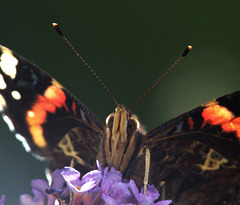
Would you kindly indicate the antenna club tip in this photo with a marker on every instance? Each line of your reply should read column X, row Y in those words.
column 57, row 28
column 54, row 24
column 186, row 51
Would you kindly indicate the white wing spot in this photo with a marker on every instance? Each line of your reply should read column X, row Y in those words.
column 83, row 115
column 24, row 142
column 16, row 95
column 2, row 103
column 30, row 114
column 9, row 122
column 2, row 83
column 8, row 63
column 179, row 127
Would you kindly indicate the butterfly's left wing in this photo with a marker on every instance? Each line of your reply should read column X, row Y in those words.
column 195, row 158
column 49, row 121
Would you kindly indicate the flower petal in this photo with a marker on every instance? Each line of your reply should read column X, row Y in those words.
column 134, row 188
column 120, row 193
column 109, row 179
column 94, row 175
column 99, row 166
column 166, row 202
column 70, row 174
column 38, row 199
column 57, row 179
column 40, row 185
column 152, row 192
column 2, row 200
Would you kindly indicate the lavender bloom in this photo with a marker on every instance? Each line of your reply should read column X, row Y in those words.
column 89, row 180
column 45, row 194
column 97, row 187
column 2, row 200
column 128, row 193
column 38, row 199
column 103, row 187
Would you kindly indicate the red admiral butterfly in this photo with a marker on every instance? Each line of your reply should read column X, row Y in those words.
column 195, row 157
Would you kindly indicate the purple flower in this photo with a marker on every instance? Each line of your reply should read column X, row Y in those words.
column 88, row 182
column 85, row 190
column 128, row 193
column 109, row 186
column 44, row 193
column 97, row 187
column 38, row 199
column 2, row 200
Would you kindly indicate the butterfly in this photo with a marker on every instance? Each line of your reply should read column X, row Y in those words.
column 194, row 158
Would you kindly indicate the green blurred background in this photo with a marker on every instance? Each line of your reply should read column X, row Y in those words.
column 129, row 44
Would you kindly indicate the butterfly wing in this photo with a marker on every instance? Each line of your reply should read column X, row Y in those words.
column 48, row 120
column 195, row 157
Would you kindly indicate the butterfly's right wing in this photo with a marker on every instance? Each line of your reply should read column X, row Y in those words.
column 195, row 157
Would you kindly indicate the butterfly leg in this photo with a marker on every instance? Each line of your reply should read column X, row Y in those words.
column 163, row 190
column 147, row 169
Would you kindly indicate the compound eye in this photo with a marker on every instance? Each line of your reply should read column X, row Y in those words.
column 133, row 126
column 109, row 120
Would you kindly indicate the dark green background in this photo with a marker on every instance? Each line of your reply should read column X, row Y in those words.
column 129, row 44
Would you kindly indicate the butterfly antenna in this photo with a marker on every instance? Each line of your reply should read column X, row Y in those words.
column 186, row 51
column 57, row 28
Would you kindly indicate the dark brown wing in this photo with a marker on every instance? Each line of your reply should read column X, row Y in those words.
column 48, row 120
column 195, row 158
